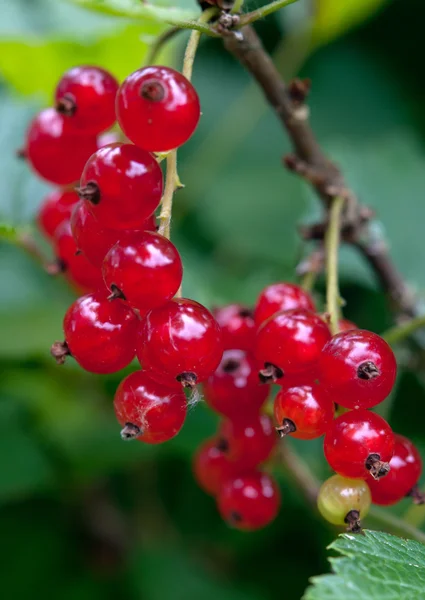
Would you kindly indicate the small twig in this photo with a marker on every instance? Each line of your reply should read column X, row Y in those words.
column 262, row 12
column 332, row 245
column 159, row 43
column 401, row 332
column 237, row 7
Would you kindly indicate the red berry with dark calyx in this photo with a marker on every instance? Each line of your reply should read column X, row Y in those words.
column 100, row 335
column 290, row 342
column 359, row 444
column 53, row 151
column 238, row 326
column 304, row 412
column 122, row 186
column 250, row 501
column 281, row 296
column 250, row 440
column 95, row 241
column 157, row 108
column 405, row 470
column 55, row 209
column 146, row 269
column 180, row 341
column 358, row 368
column 147, row 410
column 211, row 467
column 85, row 95
column 234, row 389
column 73, row 263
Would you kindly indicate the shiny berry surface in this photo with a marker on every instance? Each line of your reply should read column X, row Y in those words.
column 147, row 269
column 304, row 412
column 281, row 296
column 100, row 334
column 178, row 339
column 54, row 152
column 122, row 186
column 95, row 241
column 75, row 265
column 353, row 438
column 338, row 496
column 238, row 327
column 250, row 440
column 358, row 368
column 292, row 340
column 157, row 108
column 85, row 95
column 406, row 468
column 249, row 501
column 234, row 389
column 55, row 209
column 147, row 410
column 211, row 467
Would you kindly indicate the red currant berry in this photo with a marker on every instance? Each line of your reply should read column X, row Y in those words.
column 55, row 209
column 290, row 342
column 148, row 410
column 234, row 389
column 53, row 152
column 95, row 241
column 281, row 296
column 358, row 368
column 308, row 378
column 73, row 263
column 250, row 501
column 146, row 269
column 237, row 325
column 211, row 467
column 85, row 95
column 157, row 108
column 345, row 325
column 100, row 335
column 250, row 440
column 122, row 186
column 305, row 412
column 359, row 444
column 180, row 341
column 405, row 470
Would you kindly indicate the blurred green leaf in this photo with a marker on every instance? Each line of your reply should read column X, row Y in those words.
column 373, row 566
column 161, row 12
column 333, row 18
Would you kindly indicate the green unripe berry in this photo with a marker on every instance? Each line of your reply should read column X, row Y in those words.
column 338, row 496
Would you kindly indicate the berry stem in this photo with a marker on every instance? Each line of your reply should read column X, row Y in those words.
column 167, row 199
column 237, row 7
column 159, row 42
column 262, row 12
column 332, row 244
column 401, row 332
column 21, row 238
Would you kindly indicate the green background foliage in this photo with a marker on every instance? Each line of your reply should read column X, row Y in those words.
column 83, row 515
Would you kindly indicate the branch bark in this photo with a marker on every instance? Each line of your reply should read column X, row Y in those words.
column 310, row 162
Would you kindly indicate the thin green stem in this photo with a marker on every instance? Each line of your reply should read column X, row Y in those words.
column 159, row 43
column 308, row 280
column 171, row 179
column 401, row 332
column 237, row 7
column 332, row 244
column 263, row 11
column 415, row 515
column 395, row 525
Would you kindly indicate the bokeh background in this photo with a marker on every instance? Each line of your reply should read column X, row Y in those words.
column 84, row 515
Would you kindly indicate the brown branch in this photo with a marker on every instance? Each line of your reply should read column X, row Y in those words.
column 310, row 162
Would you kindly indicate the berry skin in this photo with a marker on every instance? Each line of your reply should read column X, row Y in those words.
column 238, row 327
column 157, row 108
column 99, row 334
column 211, row 467
column 122, row 186
column 234, row 389
column 358, row 368
column 359, row 444
column 55, row 209
column 290, row 342
column 249, row 501
column 85, row 95
column 405, row 470
column 344, row 501
column 281, row 296
column 180, row 341
column 53, row 151
column 305, row 412
column 74, row 264
column 95, row 241
column 345, row 325
column 146, row 269
column 149, row 411
column 250, row 440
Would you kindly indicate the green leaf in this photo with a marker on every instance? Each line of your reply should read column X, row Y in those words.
column 164, row 12
column 373, row 566
column 333, row 17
